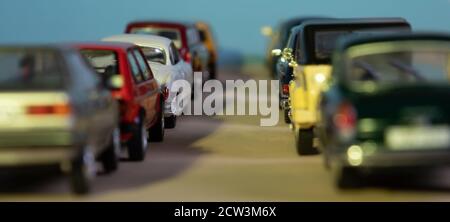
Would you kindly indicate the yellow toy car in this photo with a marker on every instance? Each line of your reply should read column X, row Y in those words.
column 312, row 69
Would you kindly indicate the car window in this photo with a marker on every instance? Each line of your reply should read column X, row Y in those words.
column 174, row 54
column 143, row 65
column 104, row 62
column 154, row 54
column 135, row 68
column 30, row 69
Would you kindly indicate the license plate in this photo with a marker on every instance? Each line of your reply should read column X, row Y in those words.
column 418, row 138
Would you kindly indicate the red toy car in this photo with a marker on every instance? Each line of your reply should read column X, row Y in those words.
column 186, row 37
column 141, row 99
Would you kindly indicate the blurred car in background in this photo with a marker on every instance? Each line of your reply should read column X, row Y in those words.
column 185, row 36
column 283, row 56
column 312, row 68
column 140, row 97
column 55, row 110
column 278, row 40
column 167, row 66
column 387, row 107
column 207, row 37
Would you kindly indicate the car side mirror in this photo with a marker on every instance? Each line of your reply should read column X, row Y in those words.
column 113, row 82
column 276, row 52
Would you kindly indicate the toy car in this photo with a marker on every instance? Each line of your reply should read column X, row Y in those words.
column 167, row 66
column 140, row 97
column 387, row 107
column 312, row 67
column 185, row 36
column 55, row 110
column 284, row 72
column 207, row 37
column 278, row 40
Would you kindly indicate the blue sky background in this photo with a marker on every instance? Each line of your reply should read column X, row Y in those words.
column 237, row 23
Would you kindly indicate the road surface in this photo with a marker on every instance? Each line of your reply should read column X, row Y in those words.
column 224, row 159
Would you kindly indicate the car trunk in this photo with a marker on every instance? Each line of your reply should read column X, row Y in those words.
column 34, row 119
column 413, row 116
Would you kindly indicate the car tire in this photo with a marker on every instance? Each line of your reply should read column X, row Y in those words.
column 137, row 145
column 82, row 172
column 348, row 178
column 287, row 119
column 110, row 157
column 304, row 142
column 212, row 70
column 170, row 122
column 156, row 132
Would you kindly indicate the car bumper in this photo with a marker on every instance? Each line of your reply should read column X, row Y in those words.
column 36, row 137
column 32, row 156
column 303, row 119
column 400, row 159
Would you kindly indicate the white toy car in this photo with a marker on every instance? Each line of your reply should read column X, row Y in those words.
column 166, row 64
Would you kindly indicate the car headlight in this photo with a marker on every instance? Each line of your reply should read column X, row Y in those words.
column 320, row 77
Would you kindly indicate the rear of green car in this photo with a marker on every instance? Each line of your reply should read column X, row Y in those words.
column 388, row 106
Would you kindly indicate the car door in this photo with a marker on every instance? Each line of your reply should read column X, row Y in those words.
column 147, row 88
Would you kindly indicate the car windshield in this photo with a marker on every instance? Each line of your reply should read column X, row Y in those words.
column 412, row 63
column 105, row 62
column 154, row 54
column 170, row 33
column 30, row 69
column 325, row 41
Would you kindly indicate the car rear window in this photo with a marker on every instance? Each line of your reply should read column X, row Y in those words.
column 170, row 33
column 325, row 41
column 105, row 62
column 30, row 69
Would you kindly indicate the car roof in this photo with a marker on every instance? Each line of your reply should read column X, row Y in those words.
column 357, row 40
column 52, row 46
column 140, row 39
column 299, row 20
column 106, row 45
column 167, row 23
column 345, row 21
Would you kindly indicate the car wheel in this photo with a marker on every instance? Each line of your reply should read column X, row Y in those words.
column 83, row 170
column 138, row 142
column 156, row 132
column 212, row 70
column 304, row 142
column 287, row 119
column 348, row 177
column 110, row 157
column 170, row 122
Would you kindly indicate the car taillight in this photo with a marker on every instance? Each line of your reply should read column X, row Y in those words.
column 186, row 55
column 165, row 93
column 345, row 120
column 285, row 89
column 58, row 109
